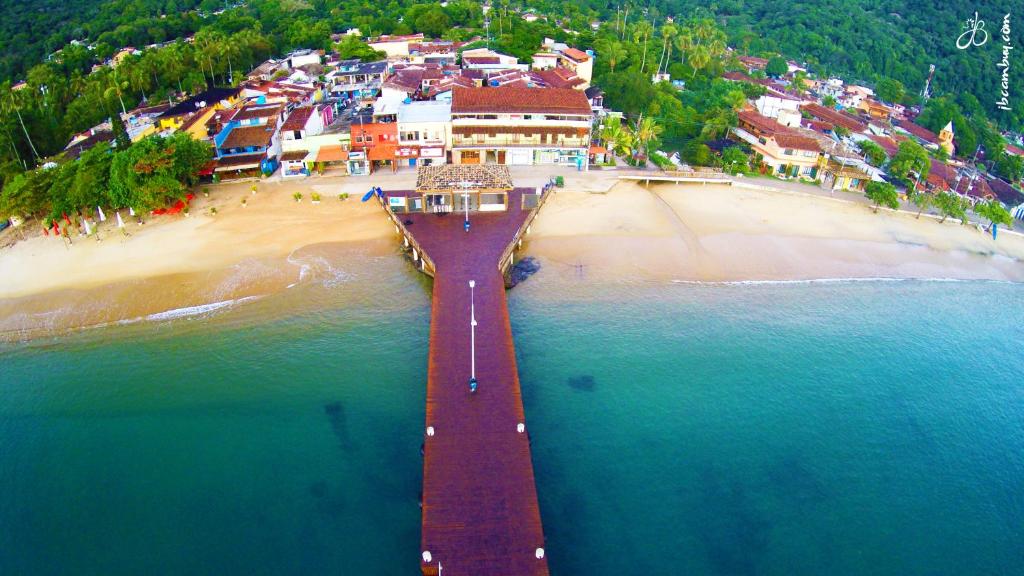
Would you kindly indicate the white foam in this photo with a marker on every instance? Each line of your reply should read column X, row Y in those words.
column 850, row 280
column 194, row 310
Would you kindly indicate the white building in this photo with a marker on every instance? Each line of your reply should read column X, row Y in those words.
column 424, row 131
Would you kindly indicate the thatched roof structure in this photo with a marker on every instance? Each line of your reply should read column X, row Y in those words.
column 457, row 177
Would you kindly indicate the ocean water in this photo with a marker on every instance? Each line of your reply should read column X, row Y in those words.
column 803, row 428
column 832, row 428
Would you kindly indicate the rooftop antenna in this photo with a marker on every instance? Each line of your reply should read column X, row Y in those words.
column 927, row 92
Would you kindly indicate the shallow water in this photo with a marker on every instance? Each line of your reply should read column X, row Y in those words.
column 839, row 428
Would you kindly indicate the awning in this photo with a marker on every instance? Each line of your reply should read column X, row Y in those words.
column 598, row 150
column 381, row 152
column 239, row 162
column 332, row 154
column 294, row 155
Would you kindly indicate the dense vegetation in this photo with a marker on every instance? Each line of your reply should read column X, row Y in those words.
column 887, row 43
column 143, row 176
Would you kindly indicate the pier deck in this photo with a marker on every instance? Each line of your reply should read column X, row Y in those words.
column 480, row 512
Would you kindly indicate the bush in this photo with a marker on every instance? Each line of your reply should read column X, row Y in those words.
column 661, row 162
column 559, row 181
column 315, row 196
column 297, row 196
column 343, row 196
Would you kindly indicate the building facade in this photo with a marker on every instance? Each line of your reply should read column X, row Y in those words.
column 520, row 126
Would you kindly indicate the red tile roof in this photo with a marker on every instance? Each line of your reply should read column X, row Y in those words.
column 919, row 131
column 797, row 142
column 1016, row 151
column 888, row 144
column 298, row 118
column 835, row 117
column 520, row 99
column 245, row 136
column 762, row 123
column 251, row 111
column 481, row 60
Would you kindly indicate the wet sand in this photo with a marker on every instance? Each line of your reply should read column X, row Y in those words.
column 699, row 233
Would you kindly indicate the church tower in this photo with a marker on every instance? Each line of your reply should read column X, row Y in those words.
column 946, row 139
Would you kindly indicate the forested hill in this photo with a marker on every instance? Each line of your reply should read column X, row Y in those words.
column 30, row 30
column 860, row 39
column 866, row 39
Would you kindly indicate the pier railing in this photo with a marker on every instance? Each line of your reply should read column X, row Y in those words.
column 419, row 256
column 505, row 262
column 697, row 173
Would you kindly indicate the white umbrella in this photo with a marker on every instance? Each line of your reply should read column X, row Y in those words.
column 120, row 223
column 87, row 230
column 131, row 211
column 103, row 217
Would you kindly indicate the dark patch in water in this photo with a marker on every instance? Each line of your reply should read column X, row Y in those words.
column 793, row 481
column 522, row 270
column 318, row 489
column 336, row 416
column 584, row 382
column 734, row 532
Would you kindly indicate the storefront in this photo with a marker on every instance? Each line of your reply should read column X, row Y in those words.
column 294, row 164
column 358, row 165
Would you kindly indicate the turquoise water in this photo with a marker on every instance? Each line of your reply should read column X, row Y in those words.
column 861, row 428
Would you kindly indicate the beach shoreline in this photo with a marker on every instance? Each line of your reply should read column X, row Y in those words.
column 595, row 230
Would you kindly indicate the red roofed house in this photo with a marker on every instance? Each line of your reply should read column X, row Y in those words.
column 519, row 125
column 835, row 117
column 779, row 149
column 298, row 143
column 922, row 134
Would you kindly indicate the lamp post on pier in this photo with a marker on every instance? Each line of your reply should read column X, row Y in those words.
column 472, row 336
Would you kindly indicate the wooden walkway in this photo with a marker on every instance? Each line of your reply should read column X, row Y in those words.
column 480, row 513
column 706, row 176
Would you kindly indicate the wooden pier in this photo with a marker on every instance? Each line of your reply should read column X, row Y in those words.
column 480, row 512
column 703, row 176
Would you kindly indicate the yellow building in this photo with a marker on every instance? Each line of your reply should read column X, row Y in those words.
column 214, row 99
column 946, row 139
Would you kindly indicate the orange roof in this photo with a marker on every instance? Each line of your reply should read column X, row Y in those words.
column 520, row 99
column 331, row 154
column 595, row 149
column 577, row 55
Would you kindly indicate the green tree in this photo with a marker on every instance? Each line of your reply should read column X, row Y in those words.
column 950, row 204
column 882, row 194
column 873, row 153
column 922, row 200
column 889, row 90
column 994, row 212
column 1010, row 167
column 352, row 47
column 734, row 160
column 911, row 158
column 776, row 67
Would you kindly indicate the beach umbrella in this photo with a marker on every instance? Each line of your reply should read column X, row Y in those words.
column 56, row 228
column 103, row 217
column 131, row 211
column 66, row 219
column 120, row 223
column 46, row 231
column 87, row 230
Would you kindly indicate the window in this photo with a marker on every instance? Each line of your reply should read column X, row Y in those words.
column 788, row 151
column 297, row 134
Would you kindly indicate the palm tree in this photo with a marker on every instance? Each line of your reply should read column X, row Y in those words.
column 668, row 34
column 614, row 52
column 642, row 30
column 14, row 106
column 647, row 129
column 611, row 132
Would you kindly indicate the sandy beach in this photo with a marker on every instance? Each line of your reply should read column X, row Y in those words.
column 720, row 233
column 593, row 229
